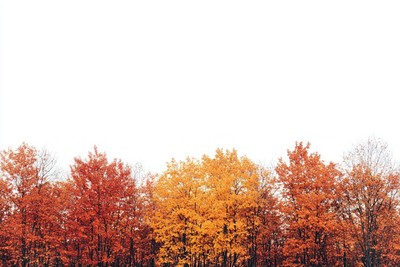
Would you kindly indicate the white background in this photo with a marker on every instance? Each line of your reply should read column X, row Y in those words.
column 150, row 80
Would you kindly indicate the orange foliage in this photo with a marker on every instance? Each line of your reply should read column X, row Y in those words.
column 309, row 198
column 29, row 229
column 220, row 211
column 370, row 205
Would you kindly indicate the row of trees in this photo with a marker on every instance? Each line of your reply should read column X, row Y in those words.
column 98, row 217
column 214, row 211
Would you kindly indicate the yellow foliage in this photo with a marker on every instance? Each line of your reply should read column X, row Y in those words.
column 203, row 208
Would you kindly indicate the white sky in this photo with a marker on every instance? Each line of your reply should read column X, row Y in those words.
column 150, row 80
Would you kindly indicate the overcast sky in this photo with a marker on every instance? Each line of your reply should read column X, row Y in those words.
column 150, row 80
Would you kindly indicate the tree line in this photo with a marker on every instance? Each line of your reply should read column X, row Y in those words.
column 222, row 210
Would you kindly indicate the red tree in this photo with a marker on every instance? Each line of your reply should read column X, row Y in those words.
column 102, row 209
column 28, row 227
column 309, row 199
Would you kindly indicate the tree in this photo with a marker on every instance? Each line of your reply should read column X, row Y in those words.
column 206, row 212
column 101, row 208
column 233, row 189
column 370, row 203
column 269, row 239
column 147, row 245
column 28, row 223
column 5, row 209
column 178, row 214
column 309, row 196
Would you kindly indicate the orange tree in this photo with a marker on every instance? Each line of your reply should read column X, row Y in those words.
column 29, row 228
column 309, row 198
column 370, row 205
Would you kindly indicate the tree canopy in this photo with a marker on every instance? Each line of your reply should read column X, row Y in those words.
column 221, row 210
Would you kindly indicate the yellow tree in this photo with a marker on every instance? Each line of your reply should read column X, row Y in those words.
column 178, row 213
column 207, row 211
column 309, row 200
column 233, row 191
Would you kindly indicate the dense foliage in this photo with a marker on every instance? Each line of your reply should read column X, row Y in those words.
column 222, row 211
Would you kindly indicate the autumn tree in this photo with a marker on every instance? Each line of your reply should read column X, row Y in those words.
column 233, row 184
column 147, row 247
column 267, row 232
column 5, row 210
column 309, row 197
column 102, row 212
column 371, row 204
column 137, row 236
column 211, row 212
column 31, row 232
column 178, row 216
